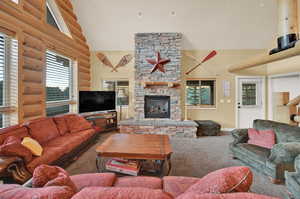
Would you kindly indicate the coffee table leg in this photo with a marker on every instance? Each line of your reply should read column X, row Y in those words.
column 99, row 164
column 169, row 165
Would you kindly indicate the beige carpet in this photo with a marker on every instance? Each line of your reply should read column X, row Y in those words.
column 192, row 157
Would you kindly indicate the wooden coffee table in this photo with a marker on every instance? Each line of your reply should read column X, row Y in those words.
column 142, row 147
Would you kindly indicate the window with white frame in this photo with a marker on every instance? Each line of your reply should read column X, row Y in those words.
column 201, row 93
column 121, row 88
column 59, row 84
column 8, row 80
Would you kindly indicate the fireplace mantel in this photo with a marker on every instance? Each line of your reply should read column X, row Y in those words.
column 168, row 84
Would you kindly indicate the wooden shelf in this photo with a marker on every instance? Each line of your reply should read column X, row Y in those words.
column 168, row 84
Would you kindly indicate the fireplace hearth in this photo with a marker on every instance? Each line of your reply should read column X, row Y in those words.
column 157, row 106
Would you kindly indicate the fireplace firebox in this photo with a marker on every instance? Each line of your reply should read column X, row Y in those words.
column 157, row 106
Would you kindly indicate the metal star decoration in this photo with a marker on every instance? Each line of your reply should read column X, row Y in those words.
column 158, row 63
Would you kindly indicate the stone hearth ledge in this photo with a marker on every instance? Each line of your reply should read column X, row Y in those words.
column 187, row 129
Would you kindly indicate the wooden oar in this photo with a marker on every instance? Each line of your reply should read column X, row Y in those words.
column 208, row 57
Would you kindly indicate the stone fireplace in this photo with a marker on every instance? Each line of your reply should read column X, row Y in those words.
column 157, row 106
column 158, row 94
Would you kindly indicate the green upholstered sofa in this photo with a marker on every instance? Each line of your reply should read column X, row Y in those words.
column 292, row 180
column 272, row 162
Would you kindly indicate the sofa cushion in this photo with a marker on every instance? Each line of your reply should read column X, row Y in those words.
column 77, row 123
column 262, row 138
column 17, row 131
column 44, row 173
column 121, row 193
column 61, row 124
column 254, row 152
column 232, row 179
column 53, row 192
column 224, row 196
column 284, row 132
column 12, row 147
column 50, row 155
column 71, row 141
column 176, row 185
column 43, row 130
column 93, row 179
column 32, row 145
column 62, row 179
column 139, row 181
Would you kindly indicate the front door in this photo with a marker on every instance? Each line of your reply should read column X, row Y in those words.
column 250, row 100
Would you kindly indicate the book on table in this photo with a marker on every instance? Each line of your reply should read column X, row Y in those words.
column 129, row 167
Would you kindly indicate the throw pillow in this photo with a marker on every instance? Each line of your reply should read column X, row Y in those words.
column 225, row 196
column 17, row 192
column 43, row 130
column 45, row 173
column 33, row 145
column 263, row 138
column 232, row 179
column 12, row 147
column 121, row 193
column 77, row 123
column 61, row 124
column 62, row 180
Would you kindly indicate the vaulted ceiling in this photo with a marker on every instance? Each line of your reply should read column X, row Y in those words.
column 205, row 24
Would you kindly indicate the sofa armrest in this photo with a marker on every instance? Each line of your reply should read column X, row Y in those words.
column 285, row 152
column 6, row 161
column 240, row 136
column 297, row 165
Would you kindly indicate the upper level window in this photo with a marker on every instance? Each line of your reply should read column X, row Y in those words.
column 121, row 88
column 55, row 18
column 8, row 80
column 201, row 93
column 15, row 1
column 59, row 84
column 51, row 19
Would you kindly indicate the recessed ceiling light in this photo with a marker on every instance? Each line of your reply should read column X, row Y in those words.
column 173, row 13
column 140, row 14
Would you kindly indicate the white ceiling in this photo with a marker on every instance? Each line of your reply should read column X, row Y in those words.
column 205, row 24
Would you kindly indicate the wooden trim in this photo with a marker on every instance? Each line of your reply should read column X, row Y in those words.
column 8, row 109
column 168, row 84
column 7, row 31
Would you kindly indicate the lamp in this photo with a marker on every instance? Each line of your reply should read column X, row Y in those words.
column 121, row 94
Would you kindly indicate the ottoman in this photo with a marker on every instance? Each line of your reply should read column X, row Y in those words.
column 208, row 128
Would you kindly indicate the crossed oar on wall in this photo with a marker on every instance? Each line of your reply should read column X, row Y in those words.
column 208, row 57
column 123, row 62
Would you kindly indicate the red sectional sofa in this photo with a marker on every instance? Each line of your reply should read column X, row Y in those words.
column 63, row 138
column 54, row 182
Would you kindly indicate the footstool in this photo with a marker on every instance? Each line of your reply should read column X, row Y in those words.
column 208, row 128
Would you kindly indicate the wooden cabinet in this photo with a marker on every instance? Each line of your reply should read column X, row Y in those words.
column 105, row 120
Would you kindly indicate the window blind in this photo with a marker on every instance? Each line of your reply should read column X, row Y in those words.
column 58, row 84
column 8, row 79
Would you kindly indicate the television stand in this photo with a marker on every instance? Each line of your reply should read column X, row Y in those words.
column 105, row 120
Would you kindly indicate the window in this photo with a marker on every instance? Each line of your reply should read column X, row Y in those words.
column 51, row 19
column 15, row 1
column 249, row 95
column 201, row 93
column 59, row 84
column 121, row 88
column 8, row 80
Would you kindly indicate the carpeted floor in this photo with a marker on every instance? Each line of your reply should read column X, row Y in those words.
column 191, row 157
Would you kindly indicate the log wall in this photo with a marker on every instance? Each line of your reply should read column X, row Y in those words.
column 27, row 21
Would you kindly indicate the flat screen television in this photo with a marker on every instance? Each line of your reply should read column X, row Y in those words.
column 90, row 101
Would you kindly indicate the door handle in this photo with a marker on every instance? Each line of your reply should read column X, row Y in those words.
column 239, row 107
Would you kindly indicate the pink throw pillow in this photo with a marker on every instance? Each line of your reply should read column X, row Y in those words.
column 265, row 139
column 121, row 193
column 232, row 179
column 225, row 196
column 12, row 147
column 62, row 180
column 44, row 173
